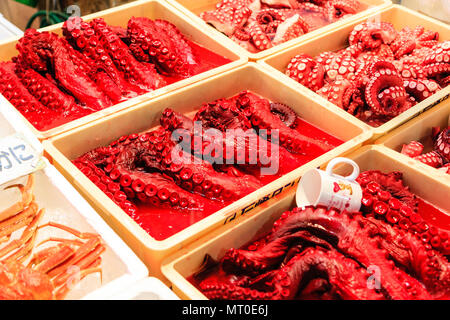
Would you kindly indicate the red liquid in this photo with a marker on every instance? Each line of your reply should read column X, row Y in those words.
column 434, row 215
column 208, row 60
column 162, row 223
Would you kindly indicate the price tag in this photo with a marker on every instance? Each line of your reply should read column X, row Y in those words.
column 18, row 158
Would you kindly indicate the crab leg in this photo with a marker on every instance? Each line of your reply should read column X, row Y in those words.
column 89, row 249
column 85, row 253
column 5, row 239
column 75, row 242
column 27, row 239
column 82, row 264
column 76, row 233
column 24, row 252
column 42, row 255
column 27, row 197
column 31, row 210
column 62, row 255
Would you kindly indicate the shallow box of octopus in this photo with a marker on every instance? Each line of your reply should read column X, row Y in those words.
column 420, row 129
column 63, row 205
column 337, row 39
column 180, row 267
column 193, row 9
column 119, row 16
column 68, row 146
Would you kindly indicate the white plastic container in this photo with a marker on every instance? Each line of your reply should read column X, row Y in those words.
column 146, row 289
column 438, row 9
column 63, row 204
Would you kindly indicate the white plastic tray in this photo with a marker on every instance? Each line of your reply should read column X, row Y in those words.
column 147, row 289
column 63, row 204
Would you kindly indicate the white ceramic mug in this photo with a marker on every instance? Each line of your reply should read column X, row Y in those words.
column 318, row 187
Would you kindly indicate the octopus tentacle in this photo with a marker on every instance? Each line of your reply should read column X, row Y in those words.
column 285, row 283
column 162, row 43
column 229, row 16
column 397, row 284
column 286, row 114
column 261, row 117
column 12, row 89
column 45, row 51
column 306, row 71
column 385, row 93
column 44, row 90
column 139, row 74
column 439, row 157
column 83, row 37
column 389, row 199
column 372, row 34
column 241, row 147
column 291, row 28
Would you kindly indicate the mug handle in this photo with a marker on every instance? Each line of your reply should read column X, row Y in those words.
column 336, row 161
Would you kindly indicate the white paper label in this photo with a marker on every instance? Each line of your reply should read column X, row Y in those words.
column 18, row 158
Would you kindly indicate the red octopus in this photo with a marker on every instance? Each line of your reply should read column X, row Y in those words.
column 209, row 161
column 55, row 80
column 259, row 25
column 382, row 72
column 315, row 253
column 439, row 157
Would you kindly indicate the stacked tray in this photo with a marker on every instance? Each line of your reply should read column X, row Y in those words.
column 337, row 39
column 193, row 8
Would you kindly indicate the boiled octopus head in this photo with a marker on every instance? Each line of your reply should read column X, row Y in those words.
column 372, row 34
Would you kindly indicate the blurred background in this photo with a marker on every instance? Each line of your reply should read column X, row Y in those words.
column 17, row 15
column 47, row 12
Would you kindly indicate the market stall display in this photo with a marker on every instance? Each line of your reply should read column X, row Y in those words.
column 235, row 149
column 172, row 227
column 382, row 72
column 439, row 156
column 260, row 25
column 53, row 81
